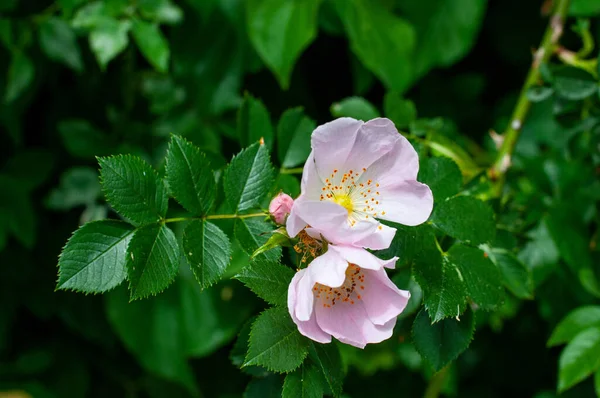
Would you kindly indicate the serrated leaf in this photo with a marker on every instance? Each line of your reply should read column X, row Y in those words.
column 270, row 31
column 576, row 321
column 207, row 250
column 152, row 260
column 254, row 122
column 268, row 280
column 93, row 260
column 240, row 348
column 409, row 243
column 278, row 238
column 275, row 342
column 108, row 39
column 304, row 382
column 327, row 358
column 152, row 44
column 465, row 218
column 253, row 233
column 442, row 342
column 133, row 188
column 515, row 275
column 481, row 277
column 442, row 175
column 59, row 42
column 579, row 359
column 354, row 107
column 248, row 178
column 20, row 76
column 401, row 111
column 265, row 387
column 293, row 137
column 191, row 180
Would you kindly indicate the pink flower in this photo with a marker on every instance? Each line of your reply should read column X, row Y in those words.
column 357, row 173
column 280, row 207
column 346, row 293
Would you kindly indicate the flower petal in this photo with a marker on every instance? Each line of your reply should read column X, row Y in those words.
column 328, row 269
column 400, row 163
column 350, row 324
column 308, row 328
column 362, row 258
column 409, row 203
column 383, row 301
column 381, row 238
column 311, row 183
column 375, row 138
column 294, row 223
column 332, row 142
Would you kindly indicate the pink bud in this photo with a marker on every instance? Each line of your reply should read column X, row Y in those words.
column 280, row 207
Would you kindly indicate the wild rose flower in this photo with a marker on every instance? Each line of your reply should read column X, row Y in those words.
column 357, row 173
column 346, row 293
column 280, row 207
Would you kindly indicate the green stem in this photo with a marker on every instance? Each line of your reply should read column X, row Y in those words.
column 542, row 55
column 436, row 383
column 297, row 170
column 214, row 217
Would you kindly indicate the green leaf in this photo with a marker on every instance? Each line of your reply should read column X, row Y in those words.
column 304, row 382
column 597, row 383
column 108, row 39
column 254, row 122
column 442, row 342
column 382, row 41
column 152, row 44
column 481, row 277
column 539, row 93
column 574, row 84
column 401, row 111
column 280, row 31
column 253, row 233
column 93, row 260
column 268, row 280
column 515, row 275
column 327, row 358
column 584, row 8
column 575, row 322
column 133, row 188
column 191, row 180
column 207, row 250
column 354, row 107
column 465, row 218
column 442, row 145
column 446, row 30
column 293, row 137
column 278, row 238
column 266, row 387
column 59, row 42
column 20, row 76
column 163, row 11
column 275, row 342
column 442, row 175
column 152, row 261
column 248, row 178
column 409, row 243
column 579, row 359
column 83, row 140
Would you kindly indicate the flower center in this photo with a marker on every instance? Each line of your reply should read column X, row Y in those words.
column 347, row 293
column 345, row 201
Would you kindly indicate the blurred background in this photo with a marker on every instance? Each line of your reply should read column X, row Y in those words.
column 81, row 79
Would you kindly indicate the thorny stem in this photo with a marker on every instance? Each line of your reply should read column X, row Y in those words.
column 214, row 217
column 547, row 47
column 436, row 382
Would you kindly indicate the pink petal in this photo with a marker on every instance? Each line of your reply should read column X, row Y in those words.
column 383, row 301
column 362, row 258
column 381, row 238
column 401, row 163
column 311, row 183
column 332, row 142
column 375, row 138
column 350, row 324
column 409, row 203
column 294, row 223
column 331, row 220
column 308, row 328
column 328, row 269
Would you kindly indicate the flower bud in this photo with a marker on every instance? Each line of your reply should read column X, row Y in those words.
column 280, row 207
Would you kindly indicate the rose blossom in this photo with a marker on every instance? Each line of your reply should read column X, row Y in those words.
column 346, row 293
column 357, row 173
column 280, row 207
